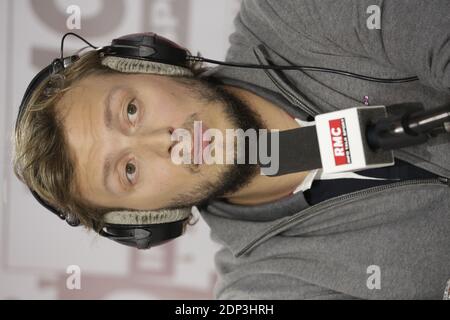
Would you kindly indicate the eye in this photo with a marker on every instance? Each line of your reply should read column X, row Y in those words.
column 130, row 170
column 132, row 111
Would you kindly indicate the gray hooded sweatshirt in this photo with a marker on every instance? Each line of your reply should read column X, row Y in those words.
column 387, row 242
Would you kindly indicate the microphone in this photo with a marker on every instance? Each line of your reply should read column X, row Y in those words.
column 354, row 139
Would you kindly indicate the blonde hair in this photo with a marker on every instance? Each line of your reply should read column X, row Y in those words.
column 41, row 156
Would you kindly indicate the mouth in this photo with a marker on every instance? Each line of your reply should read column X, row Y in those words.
column 201, row 139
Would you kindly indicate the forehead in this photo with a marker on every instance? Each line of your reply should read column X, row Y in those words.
column 89, row 88
column 81, row 112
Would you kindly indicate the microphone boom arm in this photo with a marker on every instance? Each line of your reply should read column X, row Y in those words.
column 412, row 128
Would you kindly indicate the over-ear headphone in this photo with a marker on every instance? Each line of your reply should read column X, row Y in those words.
column 148, row 53
column 135, row 53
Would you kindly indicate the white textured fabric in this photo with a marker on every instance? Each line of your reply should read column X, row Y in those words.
column 307, row 182
column 146, row 217
column 141, row 66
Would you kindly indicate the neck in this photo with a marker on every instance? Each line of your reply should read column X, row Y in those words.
column 262, row 188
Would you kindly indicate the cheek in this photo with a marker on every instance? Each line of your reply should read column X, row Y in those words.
column 169, row 114
column 172, row 181
column 165, row 177
column 169, row 106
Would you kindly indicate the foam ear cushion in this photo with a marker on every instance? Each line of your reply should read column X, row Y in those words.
column 146, row 217
column 128, row 65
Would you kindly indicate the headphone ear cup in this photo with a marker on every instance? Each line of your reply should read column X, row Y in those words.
column 147, row 53
column 144, row 229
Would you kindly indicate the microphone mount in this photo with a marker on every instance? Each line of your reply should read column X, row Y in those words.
column 414, row 127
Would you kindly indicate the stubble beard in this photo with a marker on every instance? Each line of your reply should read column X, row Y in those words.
column 228, row 178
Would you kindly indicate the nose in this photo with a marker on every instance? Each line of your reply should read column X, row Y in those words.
column 158, row 142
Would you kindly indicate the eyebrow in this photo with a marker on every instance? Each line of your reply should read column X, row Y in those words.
column 108, row 119
column 107, row 171
column 107, row 116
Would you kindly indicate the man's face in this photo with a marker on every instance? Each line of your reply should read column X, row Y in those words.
column 134, row 137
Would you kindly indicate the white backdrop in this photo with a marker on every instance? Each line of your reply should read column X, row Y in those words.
column 35, row 247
